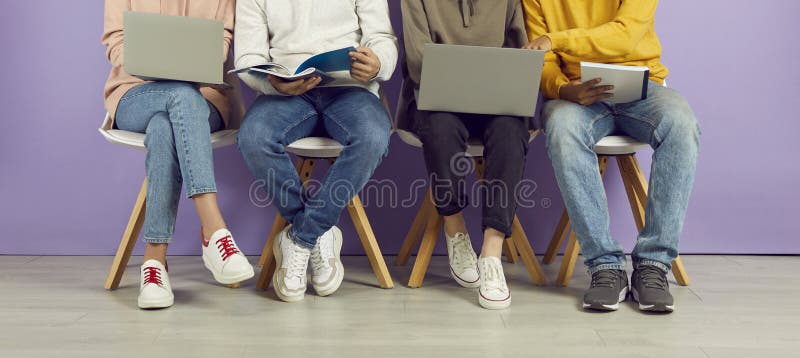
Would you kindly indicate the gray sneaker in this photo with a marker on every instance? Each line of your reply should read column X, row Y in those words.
column 651, row 289
column 608, row 289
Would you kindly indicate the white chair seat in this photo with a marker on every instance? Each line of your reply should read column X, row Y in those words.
column 315, row 147
column 135, row 140
column 618, row 145
column 474, row 147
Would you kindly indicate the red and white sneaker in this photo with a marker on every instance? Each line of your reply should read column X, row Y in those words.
column 493, row 293
column 463, row 260
column 154, row 288
column 223, row 258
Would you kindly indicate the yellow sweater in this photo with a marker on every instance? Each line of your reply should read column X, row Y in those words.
column 618, row 32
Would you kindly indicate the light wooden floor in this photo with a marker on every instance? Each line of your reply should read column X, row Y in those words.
column 737, row 306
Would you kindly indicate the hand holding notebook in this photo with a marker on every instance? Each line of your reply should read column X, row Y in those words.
column 629, row 82
column 317, row 66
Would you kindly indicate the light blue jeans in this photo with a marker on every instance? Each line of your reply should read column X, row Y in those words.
column 177, row 122
column 352, row 116
column 666, row 122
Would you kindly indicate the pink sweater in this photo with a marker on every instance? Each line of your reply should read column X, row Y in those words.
column 228, row 101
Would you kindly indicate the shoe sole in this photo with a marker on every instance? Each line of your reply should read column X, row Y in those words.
column 276, row 249
column 603, row 307
column 494, row 305
column 229, row 280
column 652, row 308
column 156, row 304
column 463, row 283
column 327, row 291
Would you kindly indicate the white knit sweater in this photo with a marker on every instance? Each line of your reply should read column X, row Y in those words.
column 290, row 31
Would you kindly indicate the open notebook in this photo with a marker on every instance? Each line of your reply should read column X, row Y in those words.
column 630, row 82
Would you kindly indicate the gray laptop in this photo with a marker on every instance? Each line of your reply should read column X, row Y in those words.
column 162, row 47
column 483, row 80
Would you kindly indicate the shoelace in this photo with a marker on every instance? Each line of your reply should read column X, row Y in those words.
column 297, row 265
column 462, row 253
column 152, row 275
column 493, row 278
column 226, row 247
column 652, row 277
column 317, row 257
column 604, row 278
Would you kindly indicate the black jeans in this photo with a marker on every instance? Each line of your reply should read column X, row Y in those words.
column 444, row 136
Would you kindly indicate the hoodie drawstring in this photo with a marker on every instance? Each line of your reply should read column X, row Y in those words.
column 467, row 11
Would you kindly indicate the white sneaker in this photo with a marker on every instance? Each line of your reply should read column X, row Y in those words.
column 154, row 288
column 327, row 271
column 494, row 293
column 291, row 260
column 463, row 261
column 224, row 259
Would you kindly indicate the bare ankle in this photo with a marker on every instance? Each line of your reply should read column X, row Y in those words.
column 454, row 225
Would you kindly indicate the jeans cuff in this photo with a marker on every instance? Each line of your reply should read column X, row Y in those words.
column 448, row 210
column 594, row 269
column 297, row 240
column 497, row 225
column 660, row 265
column 197, row 191
column 157, row 240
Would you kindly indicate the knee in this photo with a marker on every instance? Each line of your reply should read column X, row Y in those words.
column 563, row 126
column 440, row 128
column 256, row 136
column 679, row 124
column 372, row 140
column 509, row 133
column 186, row 96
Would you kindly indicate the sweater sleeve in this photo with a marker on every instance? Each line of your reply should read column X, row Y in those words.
column 552, row 76
column 112, row 30
column 228, row 20
column 516, row 35
column 415, row 35
column 377, row 34
column 251, row 44
column 613, row 39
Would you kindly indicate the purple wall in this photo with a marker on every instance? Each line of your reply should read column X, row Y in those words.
column 64, row 190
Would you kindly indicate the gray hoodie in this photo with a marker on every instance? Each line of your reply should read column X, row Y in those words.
column 489, row 23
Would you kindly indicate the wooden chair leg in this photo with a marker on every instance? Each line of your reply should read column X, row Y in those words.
column 415, row 232
column 527, row 254
column 573, row 248
column 558, row 238
column 367, row 236
column 305, row 167
column 680, row 272
column 630, row 183
column 636, row 188
column 510, row 251
column 569, row 261
column 429, row 238
column 128, row 241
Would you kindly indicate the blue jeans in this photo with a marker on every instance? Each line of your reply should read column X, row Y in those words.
column 666, row 122
column 352, row 116
column 177, row 122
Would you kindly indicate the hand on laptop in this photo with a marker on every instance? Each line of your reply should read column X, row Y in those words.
column 542, row 43
column 294, row 88
column 366, row 64
column 585, row 93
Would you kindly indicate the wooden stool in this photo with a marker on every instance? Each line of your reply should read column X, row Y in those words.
column 427, row 225
column 309, row 151
column 134, row 140
column 624, row 149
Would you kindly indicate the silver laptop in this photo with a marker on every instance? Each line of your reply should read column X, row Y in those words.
column 483, row 80
column 163, row 47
